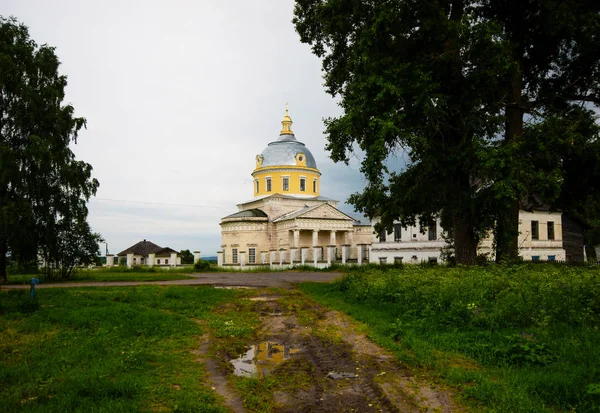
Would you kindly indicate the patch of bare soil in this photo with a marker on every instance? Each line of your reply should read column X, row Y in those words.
column 217, row 377
column 327, row 365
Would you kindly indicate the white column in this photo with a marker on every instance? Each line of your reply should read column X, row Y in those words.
column 196, row 256
column 151, row 260
column 315, row 255
column 273, row 257
column 220, row 256
column 281, row 256
column 296, row 238
column 344, row 253
column 263, row 257
column 129, row 260
column 315, row 237
column 303, row 254
column 242, row 259
column 330, row 252
column 332, row 238
column 359, row 254
column 293, row 255
column 110, row 260
column 173, row 260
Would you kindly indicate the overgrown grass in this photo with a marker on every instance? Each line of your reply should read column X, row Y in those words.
column 127, row 349
column 112, row 274
column 518, row 338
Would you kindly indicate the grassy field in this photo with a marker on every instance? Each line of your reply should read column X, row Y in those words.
column 109, row 349
column 512, row 339
column 112, row 274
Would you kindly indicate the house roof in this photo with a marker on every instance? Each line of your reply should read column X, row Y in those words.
column 141, row 248
column 166, row 252
column 145, row 248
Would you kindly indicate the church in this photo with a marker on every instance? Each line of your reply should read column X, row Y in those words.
column 288, row 222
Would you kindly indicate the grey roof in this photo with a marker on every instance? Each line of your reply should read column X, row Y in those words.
column 249, row 213
column 283, row 151
column 166, row 252
column 142, row 248
column 284, row 196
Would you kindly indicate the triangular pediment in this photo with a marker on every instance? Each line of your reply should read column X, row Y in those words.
column 323, row 211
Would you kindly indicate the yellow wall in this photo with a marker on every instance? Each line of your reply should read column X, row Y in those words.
column 294, row 174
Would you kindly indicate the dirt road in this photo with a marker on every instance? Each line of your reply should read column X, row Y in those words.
column 232, row 279
column 310, row 359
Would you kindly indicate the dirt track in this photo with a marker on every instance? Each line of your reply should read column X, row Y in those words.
column 237, row 279
column 319, row 361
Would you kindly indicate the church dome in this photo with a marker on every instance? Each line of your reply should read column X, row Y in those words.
column 284, row 151
column 286, row 167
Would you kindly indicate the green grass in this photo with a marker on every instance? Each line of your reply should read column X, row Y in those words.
column 511, row 339
column 105, row 274
column 109, row 349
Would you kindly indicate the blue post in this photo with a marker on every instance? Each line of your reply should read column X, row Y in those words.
column 33, row 282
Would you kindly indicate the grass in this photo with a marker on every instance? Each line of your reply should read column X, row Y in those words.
column 108, row 349
column 511, row 339
column 111, row 274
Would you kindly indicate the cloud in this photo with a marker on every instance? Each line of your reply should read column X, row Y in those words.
column 179, row 98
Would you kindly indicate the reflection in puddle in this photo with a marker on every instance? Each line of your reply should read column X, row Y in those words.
column 262, row 358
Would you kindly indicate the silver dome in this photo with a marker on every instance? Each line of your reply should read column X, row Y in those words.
column 283, row 151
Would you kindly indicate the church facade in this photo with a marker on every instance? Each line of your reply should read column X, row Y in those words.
column 288, row 222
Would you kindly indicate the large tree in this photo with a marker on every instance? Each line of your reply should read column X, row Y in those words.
column 421, row 76
column 43, row 188
column 554, row 63
column 450, row 82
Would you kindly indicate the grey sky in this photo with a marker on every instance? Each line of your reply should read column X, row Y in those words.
column 179, row 97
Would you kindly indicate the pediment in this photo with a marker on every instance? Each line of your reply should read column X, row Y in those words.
column 323, row 211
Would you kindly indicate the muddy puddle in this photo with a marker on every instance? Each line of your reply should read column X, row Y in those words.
column 262, row 358
column 322, row 364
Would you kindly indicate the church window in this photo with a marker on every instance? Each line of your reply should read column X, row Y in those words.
column 134, row 259
column 234, row 256
column 397, row 232
column 166, row 261
column 432, row 232
column 252, row 255
column 286, row 183
column 268, row 184
column 383, row 260
column 551, row 257
column 315, row 186
column 303, row 184
column 550, row 230
column 257, row 186
column 535, row 230
column 382, row 235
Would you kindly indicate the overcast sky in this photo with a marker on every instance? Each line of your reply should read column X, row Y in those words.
column 179, row 97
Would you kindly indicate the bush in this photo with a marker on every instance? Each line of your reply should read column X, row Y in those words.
column 203, row 266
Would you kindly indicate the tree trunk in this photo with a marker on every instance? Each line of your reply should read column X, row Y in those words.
column 465, row 242
column 507, row 227
column 507, row 234
column 3, row 251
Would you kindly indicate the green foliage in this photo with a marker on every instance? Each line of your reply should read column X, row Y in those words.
column 43, row 188
column 531, row 329
column 448, row 84
column 187, row 257
column 203, row 266
column 106, row 350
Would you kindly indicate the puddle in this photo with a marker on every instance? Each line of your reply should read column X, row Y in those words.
column 260, row 360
